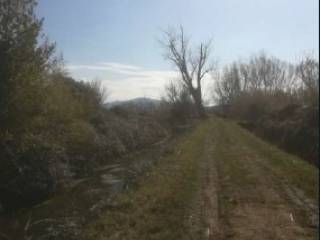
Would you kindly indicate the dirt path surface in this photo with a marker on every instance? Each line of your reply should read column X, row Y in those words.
column 243, row 196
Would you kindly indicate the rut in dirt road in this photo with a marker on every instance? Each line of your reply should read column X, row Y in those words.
column 206, row 211
column 245, row 196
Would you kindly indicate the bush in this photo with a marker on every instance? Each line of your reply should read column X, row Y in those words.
column 30, row 170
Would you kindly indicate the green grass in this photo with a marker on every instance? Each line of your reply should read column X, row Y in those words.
column 238, row 182
column 295, row 170
column 159, row 208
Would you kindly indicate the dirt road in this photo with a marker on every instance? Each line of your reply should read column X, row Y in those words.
column 245, row 194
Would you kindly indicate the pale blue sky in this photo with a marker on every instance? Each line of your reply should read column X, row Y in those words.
column 102, row 38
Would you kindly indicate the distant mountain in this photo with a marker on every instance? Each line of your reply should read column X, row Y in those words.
column 138, row 103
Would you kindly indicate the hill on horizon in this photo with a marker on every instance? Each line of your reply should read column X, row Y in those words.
column 140, row 102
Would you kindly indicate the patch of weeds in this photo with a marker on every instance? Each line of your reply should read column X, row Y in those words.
column 296, row 171
column 159, row 208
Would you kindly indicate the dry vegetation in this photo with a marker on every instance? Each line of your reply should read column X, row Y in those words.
column 53, row 128
column 218, row 178
column 275, row 99
column 56, row 131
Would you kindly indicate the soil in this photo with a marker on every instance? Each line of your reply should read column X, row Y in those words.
column 242, row 197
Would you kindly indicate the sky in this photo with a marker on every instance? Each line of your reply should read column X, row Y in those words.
column 117, row 41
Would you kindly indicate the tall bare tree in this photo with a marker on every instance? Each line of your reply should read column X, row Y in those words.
column 308, row 73
column 191, row 63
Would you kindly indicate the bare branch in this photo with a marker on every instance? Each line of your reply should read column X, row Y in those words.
column 190, row 63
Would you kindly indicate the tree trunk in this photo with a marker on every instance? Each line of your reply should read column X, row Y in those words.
column 198, row 104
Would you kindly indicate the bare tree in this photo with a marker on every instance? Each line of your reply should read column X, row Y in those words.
column 308, row 73
column 179, row 102
column 192, row 64
column 226, row 88
column 172, row 92
column 261, row 81
column 100, row 92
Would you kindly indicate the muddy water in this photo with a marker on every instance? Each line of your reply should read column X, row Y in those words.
column 63, row 216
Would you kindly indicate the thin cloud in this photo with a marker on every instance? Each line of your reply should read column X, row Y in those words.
column 120, row 66
column 124, row 81
column 85, row 67
column 123, row 69
column 129, row 81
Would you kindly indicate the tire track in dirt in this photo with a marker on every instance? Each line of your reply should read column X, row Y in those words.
column 240, row 197
column 205, row 212
column 299, row 201
column 211, row 210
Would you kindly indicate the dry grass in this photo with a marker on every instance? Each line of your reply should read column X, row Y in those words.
column 251, row 179
column 159, row 208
